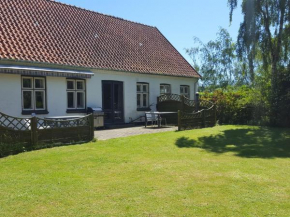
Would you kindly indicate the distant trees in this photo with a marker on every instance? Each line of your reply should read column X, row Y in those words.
column 260, row 57
column 264, row 35
column 218, row 62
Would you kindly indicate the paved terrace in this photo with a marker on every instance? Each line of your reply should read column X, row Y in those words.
column 124, row 132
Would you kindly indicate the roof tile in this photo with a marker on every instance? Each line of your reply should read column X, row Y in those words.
column 52, row 32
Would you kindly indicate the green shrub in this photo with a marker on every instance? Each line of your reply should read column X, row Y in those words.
column 12, row 148
column 244, row 105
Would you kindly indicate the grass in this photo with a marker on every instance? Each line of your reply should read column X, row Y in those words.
column 220, row 171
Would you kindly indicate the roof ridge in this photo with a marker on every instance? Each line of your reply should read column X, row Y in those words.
column 107, row 15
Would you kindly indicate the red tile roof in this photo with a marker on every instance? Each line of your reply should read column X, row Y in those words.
column 52, row 32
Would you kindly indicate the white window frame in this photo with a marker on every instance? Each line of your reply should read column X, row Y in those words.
column 75, row 91
column 142, row 93
column 182, row 91
column 165, row 85
column 33, row 91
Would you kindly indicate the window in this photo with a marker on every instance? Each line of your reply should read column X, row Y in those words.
column 184, row 90
column 142, row 95
column 76, row 94
column 33, row 94
column 165, row 89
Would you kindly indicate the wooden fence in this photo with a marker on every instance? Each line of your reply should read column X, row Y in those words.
column 200, row 119
column 33, row 133
column 191, row 113
column 175, row 102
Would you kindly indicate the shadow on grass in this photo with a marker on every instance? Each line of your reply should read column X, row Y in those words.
column 251, row 143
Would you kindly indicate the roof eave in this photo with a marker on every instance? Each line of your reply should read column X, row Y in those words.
column 64, row 66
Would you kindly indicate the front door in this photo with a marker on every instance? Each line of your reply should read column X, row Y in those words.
column 113, row 105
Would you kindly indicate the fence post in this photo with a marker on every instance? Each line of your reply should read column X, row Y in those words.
column 92, row 126
column 179, row 120
column 203, row 118
column 34, row 138
column 157, row 104
column 196, row 101
column 182, row 103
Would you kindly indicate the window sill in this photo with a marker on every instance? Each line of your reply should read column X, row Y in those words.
column 38, row 112
column 144, row 109
column 76, row 111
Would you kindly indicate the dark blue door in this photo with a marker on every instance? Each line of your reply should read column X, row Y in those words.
column 113, row 105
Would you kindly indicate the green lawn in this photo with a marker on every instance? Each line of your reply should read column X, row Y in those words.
column 220, row 171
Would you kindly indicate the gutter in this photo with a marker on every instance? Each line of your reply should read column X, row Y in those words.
column 63, row 66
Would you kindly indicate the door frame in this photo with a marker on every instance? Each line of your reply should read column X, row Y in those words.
column 112, row 82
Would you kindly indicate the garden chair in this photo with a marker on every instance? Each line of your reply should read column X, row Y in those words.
column 163, row 119
column 150, row 117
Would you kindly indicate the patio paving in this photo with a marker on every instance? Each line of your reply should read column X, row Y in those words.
column 124, row 132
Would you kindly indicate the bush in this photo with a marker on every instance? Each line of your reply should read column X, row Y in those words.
column 244, row 105
column 280, row 107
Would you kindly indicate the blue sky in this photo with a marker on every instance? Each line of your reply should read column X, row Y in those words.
column 178, row 20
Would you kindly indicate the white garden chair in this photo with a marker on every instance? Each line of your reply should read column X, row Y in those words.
column 151, row 117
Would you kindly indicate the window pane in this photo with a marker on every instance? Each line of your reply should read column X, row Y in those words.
column 70, row 85
column 27, row 82
column 145, row 100
column 181, row 90
column 80, row 85
column 138, row 87
column 138, row 100
column 145, row 88
column 80, row 100
column 167, row 89
column 39, row 83
column 70, row 100
column 27, row 99
column 162, row 89
column 39, row 99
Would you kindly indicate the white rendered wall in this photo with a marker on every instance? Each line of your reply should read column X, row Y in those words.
column 10, row 92
column 56, row 96
column 94, row 89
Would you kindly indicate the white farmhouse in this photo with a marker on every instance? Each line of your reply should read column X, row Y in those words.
column 58, row 60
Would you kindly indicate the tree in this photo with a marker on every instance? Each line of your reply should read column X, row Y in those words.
column 217, row 62
column 265, row 31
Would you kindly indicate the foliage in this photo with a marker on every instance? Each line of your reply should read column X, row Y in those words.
column 243, row 105
column 11, row 144
column 282, row 106
column 264, row 27
column 260, row 59
column 217, row 62
column 264, row 35
column 11, row 148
